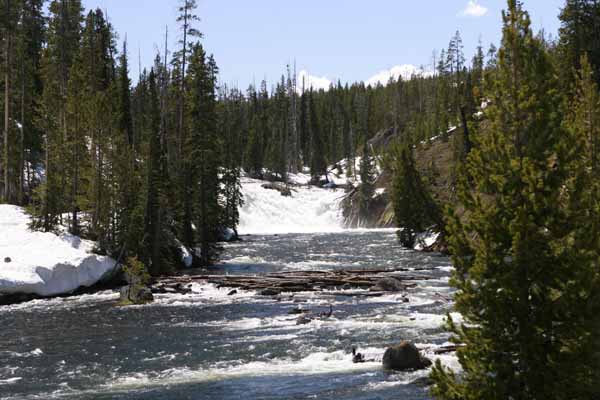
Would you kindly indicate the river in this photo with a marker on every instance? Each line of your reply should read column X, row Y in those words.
column 209, row 345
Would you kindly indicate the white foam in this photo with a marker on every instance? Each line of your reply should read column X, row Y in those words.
column 33, row 353
column 309, row 209
column 10, row 381
column 315, row 363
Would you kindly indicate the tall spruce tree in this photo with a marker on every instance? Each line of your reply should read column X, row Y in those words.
column 63, row 38
column 318, row 163
column 524, row 293
column 205, row 148
column 579, row 32
column 414, row 208
column 366, row 189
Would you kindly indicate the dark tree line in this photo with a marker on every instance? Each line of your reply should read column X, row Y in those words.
column 142, row 170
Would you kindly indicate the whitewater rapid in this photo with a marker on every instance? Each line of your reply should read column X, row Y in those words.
column 308, row 210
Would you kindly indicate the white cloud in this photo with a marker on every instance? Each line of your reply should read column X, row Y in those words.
column 309, row 81
column 405, row 71
column 474, row 9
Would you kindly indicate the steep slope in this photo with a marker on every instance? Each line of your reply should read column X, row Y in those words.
column 433, row 159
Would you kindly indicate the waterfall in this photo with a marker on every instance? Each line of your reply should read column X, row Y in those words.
column 309, row 209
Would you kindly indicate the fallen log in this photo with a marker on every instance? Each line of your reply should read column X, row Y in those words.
column 354, row 282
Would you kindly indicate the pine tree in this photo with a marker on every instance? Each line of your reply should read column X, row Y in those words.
column 523, row 293
column 186, row 18
column 155, row 246
column 64, row 32
column 580, row 27
column 30, row 38
column 414, row 208
column 366, row 189
column 205, row 149
column 318, row 163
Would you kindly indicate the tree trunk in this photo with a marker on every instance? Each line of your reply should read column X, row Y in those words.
column 22, row 137
column 7, row 197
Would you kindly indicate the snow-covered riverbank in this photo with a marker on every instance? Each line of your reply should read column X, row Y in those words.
column 44, row 263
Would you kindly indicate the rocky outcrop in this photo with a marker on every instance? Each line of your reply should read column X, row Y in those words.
column 404, row 356
column 379, row 211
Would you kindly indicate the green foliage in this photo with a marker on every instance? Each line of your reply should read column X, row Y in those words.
column 527, row 281
column 135, row 272
column 366, row 189
column 579, row 37
column 318, row 163
column 414, row 208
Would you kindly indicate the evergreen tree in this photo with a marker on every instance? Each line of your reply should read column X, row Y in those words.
column 318, row 163
column 32, row 38
column 527, row 299
column 205, row 150
column 580, row 27
column 414, row 209
column 64, row 32
column 366, row 190
column 155, row 250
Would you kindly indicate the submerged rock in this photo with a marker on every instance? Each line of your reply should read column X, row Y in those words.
column 303, row 320
column 404, row 356
column 388, row 285
column 298, row 310
column 135, row 294
column 282, row 189
column 269, row 292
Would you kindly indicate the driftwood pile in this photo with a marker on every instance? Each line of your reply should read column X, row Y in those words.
column 352, row 282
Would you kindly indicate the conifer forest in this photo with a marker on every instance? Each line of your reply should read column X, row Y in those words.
column 169, row 234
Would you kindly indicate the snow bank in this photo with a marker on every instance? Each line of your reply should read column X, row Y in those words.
column 44, row 263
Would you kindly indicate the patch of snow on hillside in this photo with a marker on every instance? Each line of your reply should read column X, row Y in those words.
column 45, row 263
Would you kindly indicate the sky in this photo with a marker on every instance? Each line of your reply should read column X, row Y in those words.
column 330, row 40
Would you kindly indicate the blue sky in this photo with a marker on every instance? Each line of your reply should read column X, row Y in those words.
column 351, row 40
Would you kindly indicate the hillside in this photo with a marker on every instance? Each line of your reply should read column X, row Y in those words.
column 434, row 160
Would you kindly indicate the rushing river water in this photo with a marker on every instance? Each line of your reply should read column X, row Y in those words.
column 209, row 345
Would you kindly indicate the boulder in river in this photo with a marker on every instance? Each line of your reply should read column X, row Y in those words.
column 136, row 294
column 404, row 356
column 388, row 284
column 282, row 189
column 269, row 292
column 303, row 320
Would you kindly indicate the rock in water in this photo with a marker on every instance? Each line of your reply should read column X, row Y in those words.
column 124, row 294
column 136, row 295
column 388, row 285
column 269, row 292
column 282, row 189
column 303, row 320
column 404, row 356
